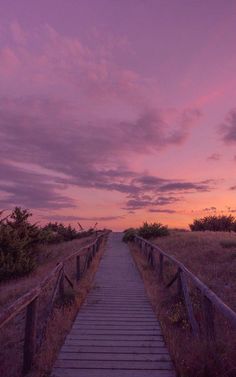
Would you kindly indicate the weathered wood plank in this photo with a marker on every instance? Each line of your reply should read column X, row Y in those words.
column 134, row 350
column 102, row 343
column 114, row 337
column 69, row 372
column 112, row 331
column 116, row 325
column 113, row 356
column 113, row 364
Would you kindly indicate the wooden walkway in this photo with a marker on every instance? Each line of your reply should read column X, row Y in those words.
column 116, row 333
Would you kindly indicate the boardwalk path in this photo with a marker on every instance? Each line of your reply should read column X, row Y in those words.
column 116, row 333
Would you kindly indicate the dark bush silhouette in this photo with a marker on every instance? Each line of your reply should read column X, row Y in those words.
column 146, row 231
column 153, row 230
column 220, row 223
column 17, row 237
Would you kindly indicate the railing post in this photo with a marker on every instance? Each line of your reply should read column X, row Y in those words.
column 94, row 250
column 151, row 260
column 88, row 257
column 208, row 313
column 61, row 285
column 30, row 335
column 188, row 304
column 161, row 267
column 78, row 268
column 179, row 284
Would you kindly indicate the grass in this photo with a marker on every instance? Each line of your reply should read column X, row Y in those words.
column 211, row 256
column 48, row 257
column 203, row 254
column 61, row 320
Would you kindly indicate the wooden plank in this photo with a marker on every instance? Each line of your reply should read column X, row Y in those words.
column 117, row 320
column 104, row 343
column 134, row 350
column 69, row 372
column 114, row 337
column 113, row 356
column 119, row 304
column 112, row 331
column 120, row 325
column 117, row 308
column 124, row 364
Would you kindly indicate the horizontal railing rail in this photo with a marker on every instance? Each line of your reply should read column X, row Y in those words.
column 29, row 300
column 210, row 301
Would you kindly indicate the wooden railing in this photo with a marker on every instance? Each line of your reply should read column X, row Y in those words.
column 209, row 300
column 29, row 301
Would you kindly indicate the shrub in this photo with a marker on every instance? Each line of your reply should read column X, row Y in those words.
column 18, row 240
column 129, row 235
column 153, row 230
column 221, row 223
column 58, row 232
column 17, row 236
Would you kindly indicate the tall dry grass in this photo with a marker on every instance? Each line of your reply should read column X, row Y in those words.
column 48, row 257
column 192, row 357
column 206, row 256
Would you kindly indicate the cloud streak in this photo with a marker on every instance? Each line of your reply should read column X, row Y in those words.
column 228, row 128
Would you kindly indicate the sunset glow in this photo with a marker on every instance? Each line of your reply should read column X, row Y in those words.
column 118, row 112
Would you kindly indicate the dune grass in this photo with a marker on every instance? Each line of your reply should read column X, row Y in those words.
column 203, row 254
column 211, row 256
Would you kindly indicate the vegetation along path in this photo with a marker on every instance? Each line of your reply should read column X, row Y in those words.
column 116, row 332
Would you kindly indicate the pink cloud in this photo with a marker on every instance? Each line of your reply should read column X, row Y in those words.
column 8, row 62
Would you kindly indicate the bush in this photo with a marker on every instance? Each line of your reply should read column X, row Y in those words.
column 17, row 237
column 58, row 232
column 55, row 232
column 153, row 230
column 214, row 223
column 129, row 235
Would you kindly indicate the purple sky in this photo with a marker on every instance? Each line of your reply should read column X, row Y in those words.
column 118, row 111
